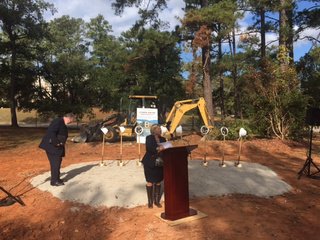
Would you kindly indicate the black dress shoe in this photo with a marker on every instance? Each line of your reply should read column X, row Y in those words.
column 57, row 184
column 60, row 181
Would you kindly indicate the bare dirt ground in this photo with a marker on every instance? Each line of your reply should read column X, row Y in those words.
column 294, row 215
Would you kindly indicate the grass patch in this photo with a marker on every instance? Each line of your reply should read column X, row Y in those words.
column 14, row 137
column 33, row 118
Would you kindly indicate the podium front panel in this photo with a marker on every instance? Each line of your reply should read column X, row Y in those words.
column 176, row 183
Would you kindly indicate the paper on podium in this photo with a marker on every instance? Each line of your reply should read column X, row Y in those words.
column 166, row 145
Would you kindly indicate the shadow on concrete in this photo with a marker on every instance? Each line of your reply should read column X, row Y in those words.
column 74, row 172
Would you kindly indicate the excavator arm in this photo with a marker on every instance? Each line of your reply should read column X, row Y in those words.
column 181, row 107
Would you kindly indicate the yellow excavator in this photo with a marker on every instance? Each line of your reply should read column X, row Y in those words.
column 180, row 108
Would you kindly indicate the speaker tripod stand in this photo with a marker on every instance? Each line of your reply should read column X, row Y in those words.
column 306, row 169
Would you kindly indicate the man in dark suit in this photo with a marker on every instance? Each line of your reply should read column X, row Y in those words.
column 53, row 143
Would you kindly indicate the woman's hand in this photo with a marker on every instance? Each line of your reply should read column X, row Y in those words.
column 160, row 148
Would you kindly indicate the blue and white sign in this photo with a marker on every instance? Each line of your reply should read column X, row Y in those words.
column 146, row 117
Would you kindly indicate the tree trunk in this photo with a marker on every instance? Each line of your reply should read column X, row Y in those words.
column 206, row 63
column 283, row 36
column 282, row 23
column 237, row 105
column 13, row 101
column 222, row 106
column 207, row 87
column 286, row 27
column 263, row 33
column 289, row 44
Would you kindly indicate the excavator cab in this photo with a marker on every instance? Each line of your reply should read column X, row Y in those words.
column 139, row 101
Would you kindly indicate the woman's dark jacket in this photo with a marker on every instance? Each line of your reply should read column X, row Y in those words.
column 151, row 150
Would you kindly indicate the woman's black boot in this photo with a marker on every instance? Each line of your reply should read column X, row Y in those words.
column 150, row 196
column 157, row 195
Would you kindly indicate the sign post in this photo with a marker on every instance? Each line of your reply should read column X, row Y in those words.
column 138, row 130
column 104, row 131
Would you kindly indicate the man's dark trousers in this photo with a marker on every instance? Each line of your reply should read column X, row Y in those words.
column 55, row 164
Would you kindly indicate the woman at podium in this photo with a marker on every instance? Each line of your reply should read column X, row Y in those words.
column 153, row 173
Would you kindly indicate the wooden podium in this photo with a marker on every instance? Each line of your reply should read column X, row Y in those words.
column 176, row 183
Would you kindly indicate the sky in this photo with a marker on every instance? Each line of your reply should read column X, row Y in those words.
column 90, row 9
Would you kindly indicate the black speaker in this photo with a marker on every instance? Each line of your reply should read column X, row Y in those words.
column 313, row 116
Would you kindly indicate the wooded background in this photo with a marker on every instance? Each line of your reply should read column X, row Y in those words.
column 68, row 64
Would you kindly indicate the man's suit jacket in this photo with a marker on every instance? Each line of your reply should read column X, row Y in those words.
column 55, row 138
